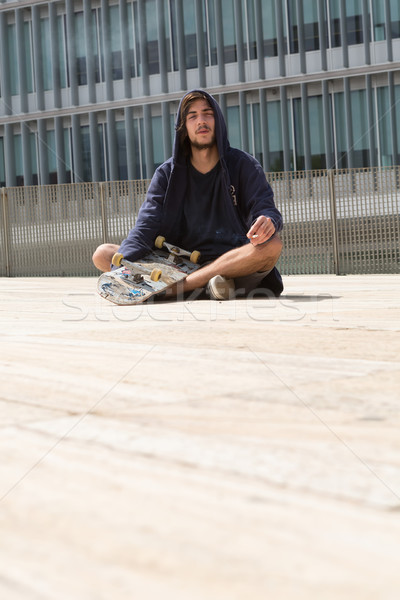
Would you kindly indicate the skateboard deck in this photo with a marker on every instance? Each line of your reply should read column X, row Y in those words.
column 136, row 282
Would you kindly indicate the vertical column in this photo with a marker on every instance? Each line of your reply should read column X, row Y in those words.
column 55, row 57
column 143, row 48
column 327, row 115
column 130, row 143
column 259, row 39
column 343, row 33
column 112, row 146
column 71, row 49
column 300, row 30
column 306, row 127
column 77, row 158
column 366, row 31
column 126, row 67
column 26, row 154
column 43, row 158
column 244, row 126
column 37, row 52
column 9, row 155
column 90, row 66
column 4, row 65
column 220, row 42
column 239, row 39
column 264, row 130
column 166, row 128
column 19, row 30
column 105, row 36
column 285, row 129
column 393, row 118
column 200, row 44
column 181, row 44
column 222, row 104
column 322, row 29
column 148, row 141
column 279, row 35
column 94, row 147
column 388, row 28
column 371, row 122
column 60, row 151
column 162, row 46
column 348, row 121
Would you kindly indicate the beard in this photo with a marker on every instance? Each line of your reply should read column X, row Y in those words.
column 200, row 146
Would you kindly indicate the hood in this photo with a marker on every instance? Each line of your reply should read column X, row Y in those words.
column 221, row 134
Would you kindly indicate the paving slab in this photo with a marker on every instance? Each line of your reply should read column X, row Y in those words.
column 200, row 450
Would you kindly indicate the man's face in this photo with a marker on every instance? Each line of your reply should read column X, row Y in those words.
column 200, row 125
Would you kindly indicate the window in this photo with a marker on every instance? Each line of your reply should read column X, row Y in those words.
column 275, row 140
column 317, row 132
column 115, row 42
column 2, row 166
column 269, row 28
column 45, row 44
column 229, row 32
column 12, row 55
column 121, row 150
column 360, row 127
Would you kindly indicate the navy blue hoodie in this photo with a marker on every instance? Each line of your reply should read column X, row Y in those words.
column 246, row 192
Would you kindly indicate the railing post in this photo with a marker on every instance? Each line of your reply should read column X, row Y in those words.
column 103, row 211
column 6, row 230
column 335, row 236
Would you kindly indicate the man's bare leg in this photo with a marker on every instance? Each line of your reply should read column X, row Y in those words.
column 238, row 262
column 103, row 255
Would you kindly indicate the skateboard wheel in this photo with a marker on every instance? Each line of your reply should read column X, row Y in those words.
column 156, row 274
column 116, row 259
column 195, row 256
column 159, row 243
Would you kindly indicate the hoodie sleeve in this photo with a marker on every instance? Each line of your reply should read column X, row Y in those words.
column 140, row 239
column 255, row 196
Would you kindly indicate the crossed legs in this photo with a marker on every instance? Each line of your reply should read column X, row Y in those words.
column 238, row 262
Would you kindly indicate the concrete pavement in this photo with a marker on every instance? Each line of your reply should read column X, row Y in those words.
column 200, row 450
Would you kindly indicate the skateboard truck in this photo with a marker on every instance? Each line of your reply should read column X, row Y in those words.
column 175, row 252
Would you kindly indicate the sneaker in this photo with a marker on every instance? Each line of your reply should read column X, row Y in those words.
column 220, row 288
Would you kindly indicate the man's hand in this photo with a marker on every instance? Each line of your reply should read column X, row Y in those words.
column 261, row 230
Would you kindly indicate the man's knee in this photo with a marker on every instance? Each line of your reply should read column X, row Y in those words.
column 270, row 252
column 102, row 256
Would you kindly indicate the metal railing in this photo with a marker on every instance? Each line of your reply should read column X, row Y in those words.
column 342, row 221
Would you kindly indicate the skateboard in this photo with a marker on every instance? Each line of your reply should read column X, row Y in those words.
column 136, row 282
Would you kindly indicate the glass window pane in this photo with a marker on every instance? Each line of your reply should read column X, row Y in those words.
column 269, row 28
column 121, row 149
column 34, row 160
column 152, row 37
column 311, row 31
column 19, row 168
column 2, row 167
column 46, row 55
column 360, row 128
column 317, row 133
column 115, row 42
column 28, row 56
column 61, row 50
column 12, row 53
column 233, row 124
column 275, row 141
column 395, row 18
column 341, row 137
column 189, row 16
column 229, row 33
column 80, row 49
column 385, row 135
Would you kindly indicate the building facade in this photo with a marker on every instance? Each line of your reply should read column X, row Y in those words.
column 89, row 89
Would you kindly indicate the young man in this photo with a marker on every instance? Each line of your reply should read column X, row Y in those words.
column 211, row 198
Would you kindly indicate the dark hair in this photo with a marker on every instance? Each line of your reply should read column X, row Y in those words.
column 181, row 126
